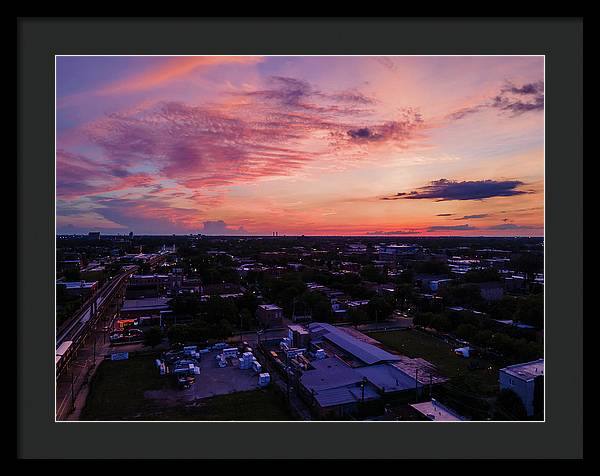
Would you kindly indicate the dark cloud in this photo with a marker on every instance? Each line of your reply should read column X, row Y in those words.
column 513, row 226
column 149, row 215
column 461, row 113
column 473, row 217
column 526, row 89
column 511, row 98
column 444, row 214
column 219, row 227
column 450, row 228
column 399, row 130
column 364, row 133
column 443, row 189
column 295, row 94
column 397, row 232
column 352, row 97
column 287, row 91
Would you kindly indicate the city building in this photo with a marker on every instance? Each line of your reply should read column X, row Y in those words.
column 392, row 252
column 148, row 285
column 270, row 315
column 133, row 308
column 526, row 380
column 68, row 265
column 491, row 291
column 79, row 288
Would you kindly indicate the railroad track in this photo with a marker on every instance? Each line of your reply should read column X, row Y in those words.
column 75, row 327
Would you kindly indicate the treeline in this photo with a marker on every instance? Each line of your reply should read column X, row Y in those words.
column 512, row 343
column 216, row 318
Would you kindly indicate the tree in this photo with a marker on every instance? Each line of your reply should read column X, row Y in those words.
column 371, row 273
column 404, row 295
column 432, row 267
column 528, row 264
column 530, row 310
column 245, row 319
column 153, row 336
column 358, row 316
column 423, row 319
column 224, row 329
column 178, row 333
column 441, row 323
column 318, row 305
column 509, row 405
column 185, row 305
column 72, row 275
column 379, row 309
column 481, row 275
column 218, row 309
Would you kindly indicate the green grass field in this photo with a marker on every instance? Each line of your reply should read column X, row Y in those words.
column 117, row 393
column 482, row 381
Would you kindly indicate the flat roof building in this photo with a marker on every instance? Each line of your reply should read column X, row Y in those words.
column 270, row 315
column 365, row 352
column 435, row 411
column 144, row 307
column 526, row 380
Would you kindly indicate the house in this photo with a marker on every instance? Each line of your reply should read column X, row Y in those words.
column 526, row 380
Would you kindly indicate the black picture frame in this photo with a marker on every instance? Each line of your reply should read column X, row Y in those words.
column 560, row 40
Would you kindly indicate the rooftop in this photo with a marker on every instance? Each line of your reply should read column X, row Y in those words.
column 367, row 353
column 332, row 382
column 145, row 303
column 78, row 284
column 270, row 307
column 436, row 411
column 298, row 328
column 526, row 371
column 387, row 378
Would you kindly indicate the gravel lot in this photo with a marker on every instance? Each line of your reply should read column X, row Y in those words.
column 212, row 381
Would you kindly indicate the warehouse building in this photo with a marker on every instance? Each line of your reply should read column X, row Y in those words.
column 357, row 375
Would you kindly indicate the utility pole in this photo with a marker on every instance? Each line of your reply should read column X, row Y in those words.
column 72, row 391
column 287, row 375
column 430, row 384
column 417, row 385
column 362, row 390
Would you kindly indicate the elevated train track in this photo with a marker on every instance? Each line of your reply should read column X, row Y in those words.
column 74, row 332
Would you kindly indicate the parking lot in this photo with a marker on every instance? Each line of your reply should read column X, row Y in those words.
column 212, row 381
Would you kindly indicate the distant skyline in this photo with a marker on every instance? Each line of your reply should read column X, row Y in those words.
column 250, row 145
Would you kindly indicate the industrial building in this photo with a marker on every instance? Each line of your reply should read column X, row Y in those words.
column 339, row 373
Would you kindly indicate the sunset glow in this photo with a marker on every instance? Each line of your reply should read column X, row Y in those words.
column 300, row 145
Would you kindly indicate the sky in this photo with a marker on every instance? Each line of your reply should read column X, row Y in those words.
column 322, row 145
